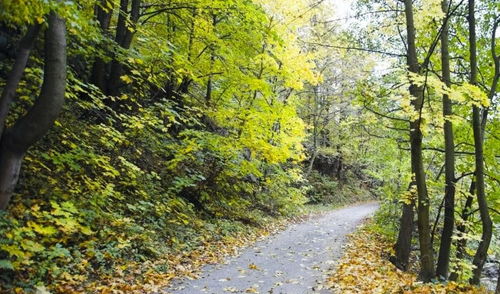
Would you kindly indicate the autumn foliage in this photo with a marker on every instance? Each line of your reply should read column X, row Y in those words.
column 140, row 139
column 365, row 268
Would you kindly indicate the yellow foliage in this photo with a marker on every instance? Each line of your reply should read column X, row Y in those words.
column 429, row 13
column 470, row 94
column 365, row 268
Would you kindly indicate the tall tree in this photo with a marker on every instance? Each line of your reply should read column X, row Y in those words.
column 487, row 226
column 30, row 128
column 449, row 166
column 467, row 209
column 417, row 91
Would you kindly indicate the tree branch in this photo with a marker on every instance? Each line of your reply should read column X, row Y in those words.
column 16, row 73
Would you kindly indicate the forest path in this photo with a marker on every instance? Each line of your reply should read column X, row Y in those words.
column 294, row 261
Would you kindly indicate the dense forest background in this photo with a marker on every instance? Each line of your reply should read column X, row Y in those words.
column 134, row 132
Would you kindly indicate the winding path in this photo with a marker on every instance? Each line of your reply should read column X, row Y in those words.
column 294, row 261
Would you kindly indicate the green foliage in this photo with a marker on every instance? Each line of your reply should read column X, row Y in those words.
column 387, row 96
column 220, row 106
column 325, row 189
column 162, row 167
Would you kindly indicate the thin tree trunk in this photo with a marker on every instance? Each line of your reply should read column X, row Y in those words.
column 424, row 231
column 27, row 130
column 315, row 134
column 311, row 163
column 208, row 96
column 462, row 229
column 406, row 225
column 449, row 194
column 482, row 250
column 16, row 73
column 496, row 60
column 436, row 221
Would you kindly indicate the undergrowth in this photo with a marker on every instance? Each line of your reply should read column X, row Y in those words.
column 329, row 190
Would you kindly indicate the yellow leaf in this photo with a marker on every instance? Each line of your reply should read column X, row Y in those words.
column 126, row 79
column 253, row 266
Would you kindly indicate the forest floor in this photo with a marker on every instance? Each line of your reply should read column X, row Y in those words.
column 365, row 269
column 295, row 260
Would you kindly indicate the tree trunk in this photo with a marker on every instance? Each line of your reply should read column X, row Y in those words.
column 403, row 244
column 315, row 119
column 123, row 38
column 27, row 130
column 462, row 229
column 424, row 231
column 496, row 60
column 461, row 244
column 484, row 244
column 311, row 163
column 436, row 221
column 208, row 97
column 449, row 194
column 10, row 165
column 98, row 73
column 16, row 73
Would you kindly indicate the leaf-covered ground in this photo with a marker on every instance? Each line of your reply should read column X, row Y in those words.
column 146, row 277
column 365, row 268
column 152, row 276
column 294, row 261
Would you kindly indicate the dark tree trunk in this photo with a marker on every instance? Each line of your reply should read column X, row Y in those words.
column 496, row 60
column 208, row 96
column 315, row 119
column 461, row 227
column 98, row 74
column 461, row 244
column 436, row 221
column 424, row 231
column 123, row 38
column 9, row 91
column 10, row 165
column 484, row 244
column 406, row 225
column 449, row 194
column 27, row 130
column 103, row 12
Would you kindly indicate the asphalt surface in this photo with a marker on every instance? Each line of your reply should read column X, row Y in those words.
column 294, row 261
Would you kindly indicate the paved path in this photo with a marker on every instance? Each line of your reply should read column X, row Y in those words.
column 294, row 261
